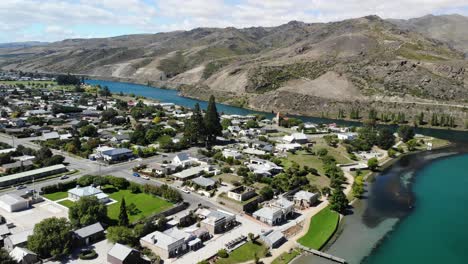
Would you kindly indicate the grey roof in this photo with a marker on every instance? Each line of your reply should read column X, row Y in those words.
column 193, row 171
column 266, row 212
column 117, row 151
column 85, row 191
column 204, row 182
column 89, row 230
column 120, row 251
column 271, row 237
column 304, row 195
column 183, row 156
column 51, row 135
column 31, row 173
column 163, row 240
column 11, row 199
column 18, row 253
column 17, row 164
column 21, row 237
column 4, row 230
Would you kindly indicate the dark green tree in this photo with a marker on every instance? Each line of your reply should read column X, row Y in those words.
column 373, row 163
column 212, row 122
column 87, row 211
column 385, row 138
column 406, row 133
column 338, row 201
column 123, row 216
column 51, row 238
column 194, row 130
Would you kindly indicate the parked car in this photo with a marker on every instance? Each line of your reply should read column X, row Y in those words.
column 19, row 187
column 64, row 177
column 135, row 174
column 146, row 177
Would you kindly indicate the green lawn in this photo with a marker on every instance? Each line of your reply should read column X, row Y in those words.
column 322, row 227
column 145, row 203
column 56, row 196
column 67, row 203
column 245, row 253
column 286, row 257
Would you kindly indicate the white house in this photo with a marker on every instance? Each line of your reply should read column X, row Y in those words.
column 300, row 138
column 346, row 136
column 13, row 202
column 183, row 159
column 231, row 153
column 78, row 192
column 276, row 212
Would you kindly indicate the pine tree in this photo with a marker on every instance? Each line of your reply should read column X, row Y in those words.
column 123, row 216
column 338, row 201
column 212, row 122
column 194, row 130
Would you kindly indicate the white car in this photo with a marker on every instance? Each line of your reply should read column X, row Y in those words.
column 145, row 177
column 185, row 190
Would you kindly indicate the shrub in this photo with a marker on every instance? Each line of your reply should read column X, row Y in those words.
column 222, row 253
column 88, row 254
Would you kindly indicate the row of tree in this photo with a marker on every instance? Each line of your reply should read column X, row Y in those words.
column 201, row 128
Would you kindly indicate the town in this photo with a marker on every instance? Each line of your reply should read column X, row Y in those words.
column 91, row 176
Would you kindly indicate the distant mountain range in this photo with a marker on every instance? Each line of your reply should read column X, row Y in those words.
column 26, row 44
column 304, row 68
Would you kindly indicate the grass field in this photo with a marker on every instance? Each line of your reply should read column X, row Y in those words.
column 286, row 257
column 56, row 196
column 245, row 253
column 39, row 84
column 145, row 203
column 67, row 203
column 322, row 227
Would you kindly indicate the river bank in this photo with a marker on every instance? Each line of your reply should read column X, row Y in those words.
column 236, row 102
column 389, row 202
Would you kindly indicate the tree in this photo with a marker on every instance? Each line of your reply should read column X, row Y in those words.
column 123, row 216
column 88, row 131
column 373, row 163
column 212, row 122
column 105, row 92
column 121, row 234
column 251, row 236
column 251, row 124
column 51, row 237
column 87, row 211
column 222, row 253
column 412, row 144
column 267, row 193
column 194, row 130
column 406, row 133
column 338, row 201
column 358, row 186
column 5, row 257
column 385, row 138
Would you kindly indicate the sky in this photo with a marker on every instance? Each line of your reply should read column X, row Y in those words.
column 54, row 20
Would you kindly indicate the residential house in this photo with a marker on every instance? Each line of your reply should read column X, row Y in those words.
column 193, row 172
column 78, row 192
column 168, row 244
column 288, row 147
column 300, row 138
column 14, row 165
column 89, row 234
column 276, row 212
column 122, row 254
column 183, row 160
column 24, row 256
column 241, row 193
column 231, row 153
column 305, row 199
column 346, row 136
column 273, row 238
column 263, row 167
column 17, row 240
column 218, row 221
column 50, row 136
column 117, row 154
column 205, row 183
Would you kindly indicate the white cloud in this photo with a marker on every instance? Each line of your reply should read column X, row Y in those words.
column 22, row 19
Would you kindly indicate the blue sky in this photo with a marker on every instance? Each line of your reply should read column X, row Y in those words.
column 53, row 20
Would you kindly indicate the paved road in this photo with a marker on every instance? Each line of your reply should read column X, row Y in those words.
column 86, row 166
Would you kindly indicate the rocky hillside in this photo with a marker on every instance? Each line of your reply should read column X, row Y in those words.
column 452, row 29
column 296, row 67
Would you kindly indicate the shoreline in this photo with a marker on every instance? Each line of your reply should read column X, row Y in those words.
column 176, row 87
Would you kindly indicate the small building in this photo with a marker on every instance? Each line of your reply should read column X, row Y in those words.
column 273, row 238
column 346, row 136
column 168, row 244
column 190, row 173
column 118, row 154
column 205, row 183
column 218, row 221
column 24, row 256
column 161, row 169
column 50, row 136
column 276, row 213
column 231, row 153
column 17, row 240
column 304, row 199
column 241, row 193
column 78, row 192
column 13, row 202
column 300, row 138
column 122, row 254
column 89, row 234
column 29, row 175
column 14, row 165
column 183, row 160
